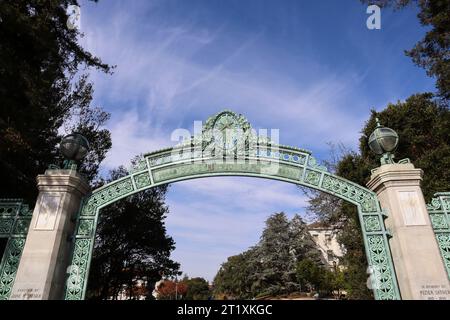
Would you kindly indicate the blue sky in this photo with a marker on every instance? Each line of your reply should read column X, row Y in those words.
column 308, row 68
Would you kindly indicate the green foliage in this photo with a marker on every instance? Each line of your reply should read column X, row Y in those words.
column 270, row 267
column 354, row 260
column 171, row 290
column 42, row 90
column 431, row 52
column 423, row 126
column 197, row 289
column 236, row 277
column 314, row 277
column 309, row 275
column 131, row 245
column 45, row 93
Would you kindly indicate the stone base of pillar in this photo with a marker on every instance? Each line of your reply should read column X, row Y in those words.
column 42, row 270
column 418, row 264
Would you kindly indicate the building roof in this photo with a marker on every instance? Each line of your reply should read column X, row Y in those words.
column 319, row 225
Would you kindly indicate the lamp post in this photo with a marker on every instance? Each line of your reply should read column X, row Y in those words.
column 73, row 147
column 383, row 141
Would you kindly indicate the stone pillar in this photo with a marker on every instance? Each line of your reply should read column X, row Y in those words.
column 418, row 264
column 42, row 270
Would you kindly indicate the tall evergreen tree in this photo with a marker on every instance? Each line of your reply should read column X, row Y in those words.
column 270, row 267
column 197, row 289
column 431, row 52
column 131, row 244
column 275, row 254
column 423, row 126
column 42, row 86
column 301, row 243
column 237, row 277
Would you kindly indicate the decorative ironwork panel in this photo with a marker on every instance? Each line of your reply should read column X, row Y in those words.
column 108, row 194
column 312, row 177
column 372, row 223
column 142, row 180
column 76, row 282
column 381, row 275
column 439, row 211
column 85, row 227
column 351, row 192
column 10, row 263
column 15, row 217
column 206, row 155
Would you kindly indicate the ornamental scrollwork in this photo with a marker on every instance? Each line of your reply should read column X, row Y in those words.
column 350, row 191
column 15, row 217
column 6, row 225
column 85, row 227
column 106, row 194
column 78, row 269
column 21, row 226
column 372, row 223
column 9, row 266
column 382, row 277
column 312, row 177
column 140, row 165
column 142, row 180
column 439, row 221
column 439, row 212
column 443, row 240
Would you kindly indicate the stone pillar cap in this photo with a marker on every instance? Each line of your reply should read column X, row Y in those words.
column 58, row 179
column 404, row 173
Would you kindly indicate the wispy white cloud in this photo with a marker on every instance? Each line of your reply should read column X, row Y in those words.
column 161, row 82
column 171, row 72
column 257, row 192
column 132, row 136
column 214, row 218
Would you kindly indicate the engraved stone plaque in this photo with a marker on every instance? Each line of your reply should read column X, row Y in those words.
column 47, row 212
column 412, row 213
column 435, row 292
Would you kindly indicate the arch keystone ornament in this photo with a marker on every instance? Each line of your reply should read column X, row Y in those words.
column 228, row 146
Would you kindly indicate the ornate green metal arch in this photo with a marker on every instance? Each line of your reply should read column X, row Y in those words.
column 15, row 217
column 439, row 211
column 244, row 154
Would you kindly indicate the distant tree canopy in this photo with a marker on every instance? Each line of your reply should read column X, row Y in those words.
column 432, row 52
column 423, row 126
column 269, row 268
column 172, row 290
column 197, row 289
column 186, row 289
column 131, row 247
column 313, row 277
column 44, row 92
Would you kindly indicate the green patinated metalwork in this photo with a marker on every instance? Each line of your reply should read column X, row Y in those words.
column 15, row 217
column 248, row 155
column 439, row 211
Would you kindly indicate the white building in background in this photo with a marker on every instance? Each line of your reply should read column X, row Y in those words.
column 325, row 238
